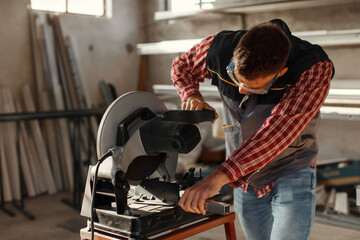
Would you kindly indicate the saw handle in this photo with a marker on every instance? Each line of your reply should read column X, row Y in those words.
column 122, row 131
column 190, row 116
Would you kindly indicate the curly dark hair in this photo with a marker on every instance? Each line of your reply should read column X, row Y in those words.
column 262, row 51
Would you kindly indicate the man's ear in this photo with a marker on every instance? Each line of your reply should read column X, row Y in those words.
column 283, row 71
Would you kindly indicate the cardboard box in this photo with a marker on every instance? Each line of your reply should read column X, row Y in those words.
column 343, row 174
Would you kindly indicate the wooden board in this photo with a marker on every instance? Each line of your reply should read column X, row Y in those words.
column 83, row 83
column 62, row 130
column 41, row 49
column 74, row 73
column 25, row 166
column 56, row 91
column 74, row 86
column 51, row 141
column 9, row 141
column 6, row 184
column 331, row 201
column 39, row 141
column 84, row 125
column 74, row 83
column 31, row 176
column 65, row 63
column 36, row 54
column 341, row 203
column 5, row 173
column 52, row 71
column 35, row 160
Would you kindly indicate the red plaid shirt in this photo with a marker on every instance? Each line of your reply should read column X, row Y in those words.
column 287, row 120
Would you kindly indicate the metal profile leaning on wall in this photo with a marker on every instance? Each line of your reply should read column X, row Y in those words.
column 272, row 85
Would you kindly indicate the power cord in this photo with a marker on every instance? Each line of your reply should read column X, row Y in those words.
column 106, row 155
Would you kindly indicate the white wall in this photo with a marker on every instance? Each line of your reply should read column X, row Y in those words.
column 15, row 52
column 339, row 139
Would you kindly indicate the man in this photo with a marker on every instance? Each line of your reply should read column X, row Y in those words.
column 272, row 85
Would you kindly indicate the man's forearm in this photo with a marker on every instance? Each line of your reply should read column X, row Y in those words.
column 218, row 178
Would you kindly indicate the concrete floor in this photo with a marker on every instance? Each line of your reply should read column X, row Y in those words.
column 57, row 221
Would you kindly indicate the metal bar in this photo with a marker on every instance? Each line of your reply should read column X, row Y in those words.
column 23, row 211
column 21, row 207
column 75, row 201
column 2, row 207
column 217, row 207
column 51, row 114
column 7, row 211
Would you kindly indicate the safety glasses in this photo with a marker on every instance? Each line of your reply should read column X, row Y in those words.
column 230, row 72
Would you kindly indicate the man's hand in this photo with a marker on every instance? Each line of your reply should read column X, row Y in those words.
column 197, row 103
column 193, row 199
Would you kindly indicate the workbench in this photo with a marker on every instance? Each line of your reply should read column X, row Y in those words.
column 178, row 233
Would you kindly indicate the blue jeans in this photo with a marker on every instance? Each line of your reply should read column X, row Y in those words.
column 286, row 213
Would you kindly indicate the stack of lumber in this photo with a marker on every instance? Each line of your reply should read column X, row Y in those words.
column 38, row 156
column 336, row 201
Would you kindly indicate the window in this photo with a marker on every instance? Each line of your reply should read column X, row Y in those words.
column 198, row 5
column 96, row 8
column 186, row 8
column 190, row 5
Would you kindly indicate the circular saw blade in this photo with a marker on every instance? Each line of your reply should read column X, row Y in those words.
column 120, row 109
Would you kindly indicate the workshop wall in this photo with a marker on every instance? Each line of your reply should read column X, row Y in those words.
column 106, row 47
column 15, row 62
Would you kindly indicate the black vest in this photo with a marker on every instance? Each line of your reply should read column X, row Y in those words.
column 302, row 56
column 244, row 122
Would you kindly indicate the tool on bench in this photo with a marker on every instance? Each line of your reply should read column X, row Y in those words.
column 132, row 190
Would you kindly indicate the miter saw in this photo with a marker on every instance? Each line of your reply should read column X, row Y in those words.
column 132, row 190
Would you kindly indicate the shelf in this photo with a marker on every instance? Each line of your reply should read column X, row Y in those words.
column 166, row 47
column 248, row 6
column 341, row 103
column 323, row 38
column 340, row 113
column 333, row 38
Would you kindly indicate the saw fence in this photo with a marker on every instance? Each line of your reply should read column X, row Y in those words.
column 44, row 134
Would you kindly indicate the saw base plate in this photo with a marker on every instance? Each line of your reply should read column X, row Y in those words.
column 146, row 220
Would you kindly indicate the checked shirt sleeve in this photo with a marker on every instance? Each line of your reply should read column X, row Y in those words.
column 287, row 120
column 189, row 69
